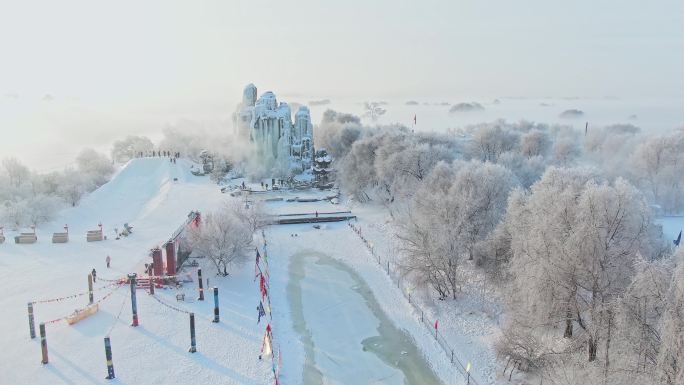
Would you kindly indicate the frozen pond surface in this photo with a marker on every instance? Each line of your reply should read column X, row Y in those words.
column 671, row 226
column 346, row 336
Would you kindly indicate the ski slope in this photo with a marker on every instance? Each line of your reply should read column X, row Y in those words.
column 144, row 194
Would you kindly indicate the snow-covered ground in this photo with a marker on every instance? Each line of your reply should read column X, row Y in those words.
column 342, row 317
column 145, row 195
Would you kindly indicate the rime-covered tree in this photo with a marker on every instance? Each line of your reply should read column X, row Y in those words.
column 223, row 237
column 455, row 208
column 575, row 242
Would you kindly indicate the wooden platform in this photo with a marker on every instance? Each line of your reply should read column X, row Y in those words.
column 94, row 235
column 26, row 238
column 60, row 237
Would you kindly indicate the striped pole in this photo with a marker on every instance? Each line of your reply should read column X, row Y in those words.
column 90, row 289
column 32, row 327
column 216, row 305
column 193, row 343
column 43, row 344
column 201, row 288
column 108, row 356
column 134, row 304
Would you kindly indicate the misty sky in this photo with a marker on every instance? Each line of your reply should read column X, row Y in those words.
column 153, row 58
column 200, row 49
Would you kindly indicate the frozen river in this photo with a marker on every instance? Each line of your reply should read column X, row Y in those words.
column 347, row 338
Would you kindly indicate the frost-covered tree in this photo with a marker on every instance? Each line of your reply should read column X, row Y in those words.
column 640, row 314
column 658, row 162
column 535, row 143
column 17, row 174
column 670, row 360
column 72, row 187
column 223, row 237
column 455, row 208
column 489, row 141
column 95, row 167
column 358, row 171
column 528, row 170
column 374, row 110
column 575, row 243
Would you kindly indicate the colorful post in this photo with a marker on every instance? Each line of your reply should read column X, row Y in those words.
column 170, row 258
column 201, row 288
column 108, row 356
column 90, row 289
column 43, row 344
column 193, row 343
column 134, row 305
column 216, row 305
column 32, row 328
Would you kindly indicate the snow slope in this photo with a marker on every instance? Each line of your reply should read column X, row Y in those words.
column 145, row 195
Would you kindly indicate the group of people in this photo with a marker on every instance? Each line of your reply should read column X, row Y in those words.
column 158, row 154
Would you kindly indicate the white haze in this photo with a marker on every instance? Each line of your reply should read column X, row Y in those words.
column 83, row 73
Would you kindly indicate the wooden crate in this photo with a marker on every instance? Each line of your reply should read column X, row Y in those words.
column 60, row 237
column 26, row 238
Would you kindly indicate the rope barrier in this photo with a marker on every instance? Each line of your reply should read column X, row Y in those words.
column 443, row 343
column 73, row 295
column 105, row 297
column 118, row 316
column 170, row 306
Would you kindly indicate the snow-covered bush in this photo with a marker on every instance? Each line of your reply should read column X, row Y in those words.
column 29, row 198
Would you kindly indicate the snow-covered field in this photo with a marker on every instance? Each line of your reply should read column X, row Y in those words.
column 145, row 195
column 341, row 321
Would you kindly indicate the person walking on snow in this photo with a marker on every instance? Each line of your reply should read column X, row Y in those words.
column 108, row 260
column 94, row 274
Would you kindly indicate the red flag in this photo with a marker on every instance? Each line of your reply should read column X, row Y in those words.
column 436, row 324
column 262, row 286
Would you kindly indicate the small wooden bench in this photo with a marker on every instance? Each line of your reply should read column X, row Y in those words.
column 94, row 235
column 60, row 237
column 26, row 238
